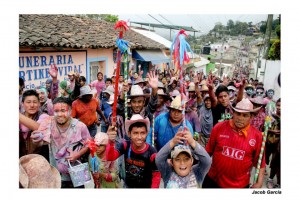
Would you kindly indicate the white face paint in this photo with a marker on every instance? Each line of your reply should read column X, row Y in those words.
column 270, row 94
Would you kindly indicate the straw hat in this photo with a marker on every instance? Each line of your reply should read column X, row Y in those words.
column 101, row 139
column 71, row 73
column 85, row 90
column 137, row 91
column 109, row 90
column 36, row 172
column 203, row 82
column 244, row 106
column 204, row 88
column 176, row 103
column 137, row 118
column 191, row 87
column 249, row 86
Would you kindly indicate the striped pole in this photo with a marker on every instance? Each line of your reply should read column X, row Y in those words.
column 262, row 149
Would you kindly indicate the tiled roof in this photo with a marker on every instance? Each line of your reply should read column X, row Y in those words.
column 75, row 32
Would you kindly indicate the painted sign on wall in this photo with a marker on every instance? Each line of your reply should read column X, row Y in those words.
column 34, row 66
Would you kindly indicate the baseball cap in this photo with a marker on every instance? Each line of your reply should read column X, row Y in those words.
column 179, row 149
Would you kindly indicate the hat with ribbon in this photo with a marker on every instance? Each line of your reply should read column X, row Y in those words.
column 137, row 118
column 137, row 91
column 36, row 172
column 244, row 106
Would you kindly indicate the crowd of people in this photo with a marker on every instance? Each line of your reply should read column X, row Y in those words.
column 192, row 132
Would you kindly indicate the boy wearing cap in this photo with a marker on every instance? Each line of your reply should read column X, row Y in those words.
column 140, row 167
column 181, row 173
column 104, row 172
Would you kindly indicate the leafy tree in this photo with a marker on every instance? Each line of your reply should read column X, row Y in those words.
column 106, row 17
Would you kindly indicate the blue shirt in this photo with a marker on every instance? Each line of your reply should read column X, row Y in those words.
column 164, row 131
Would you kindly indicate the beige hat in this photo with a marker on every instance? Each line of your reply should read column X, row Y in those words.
column 191, row 87
column 176, row 103
column 109, row 90
column 137, row 118
column 137, row 91
column 179, row 149
column 204, row 88
column 203, row 82
column 36, row 172
column 71, row 73
column 85, row 90
column 101, row 139
column 160, row 85
column 244, row 106
column 161, row 92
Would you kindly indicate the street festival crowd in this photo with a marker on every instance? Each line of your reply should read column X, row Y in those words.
column 209, row 137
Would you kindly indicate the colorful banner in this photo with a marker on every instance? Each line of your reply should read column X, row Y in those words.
column 34, row 66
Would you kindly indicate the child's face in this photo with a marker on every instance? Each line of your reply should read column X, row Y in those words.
column 138, row 137
column 182, row 164
column 100, row 149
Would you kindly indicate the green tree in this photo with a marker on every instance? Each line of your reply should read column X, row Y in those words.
column 106, row 17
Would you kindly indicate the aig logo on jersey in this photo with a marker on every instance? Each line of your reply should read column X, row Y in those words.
column 233, row 153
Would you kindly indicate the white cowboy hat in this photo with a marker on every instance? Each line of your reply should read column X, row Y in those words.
column 258, row 100
column 139, row 80
column 137, row 91
column 85, row 90
column 245, row 106
column 109, row 90
column 36, row 172
column 137, row 118
column 111, row 100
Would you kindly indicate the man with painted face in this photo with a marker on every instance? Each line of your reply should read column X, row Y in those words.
column 249, row 91
column 270, row 103
column 67, row 138
column 46, row 104
column 235, row 149
column 85, row 108
column 259, row 91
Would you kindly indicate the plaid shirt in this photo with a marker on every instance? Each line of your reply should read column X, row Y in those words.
column 259, row 120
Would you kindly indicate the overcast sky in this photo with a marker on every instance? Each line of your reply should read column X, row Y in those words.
column 204, row 23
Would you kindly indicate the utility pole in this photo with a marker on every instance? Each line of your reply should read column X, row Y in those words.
column 269, row 31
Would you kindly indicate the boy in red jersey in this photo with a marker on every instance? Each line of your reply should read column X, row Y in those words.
column 235, row 147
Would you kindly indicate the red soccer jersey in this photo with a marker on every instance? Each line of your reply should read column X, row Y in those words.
column 233, row 155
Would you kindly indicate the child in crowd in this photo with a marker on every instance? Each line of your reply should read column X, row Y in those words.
column 180, row 172
column 105, row 173
column 140, row 167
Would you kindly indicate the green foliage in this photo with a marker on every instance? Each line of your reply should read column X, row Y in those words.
column 277, row 30
column 274, row 53
column 106, row 17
